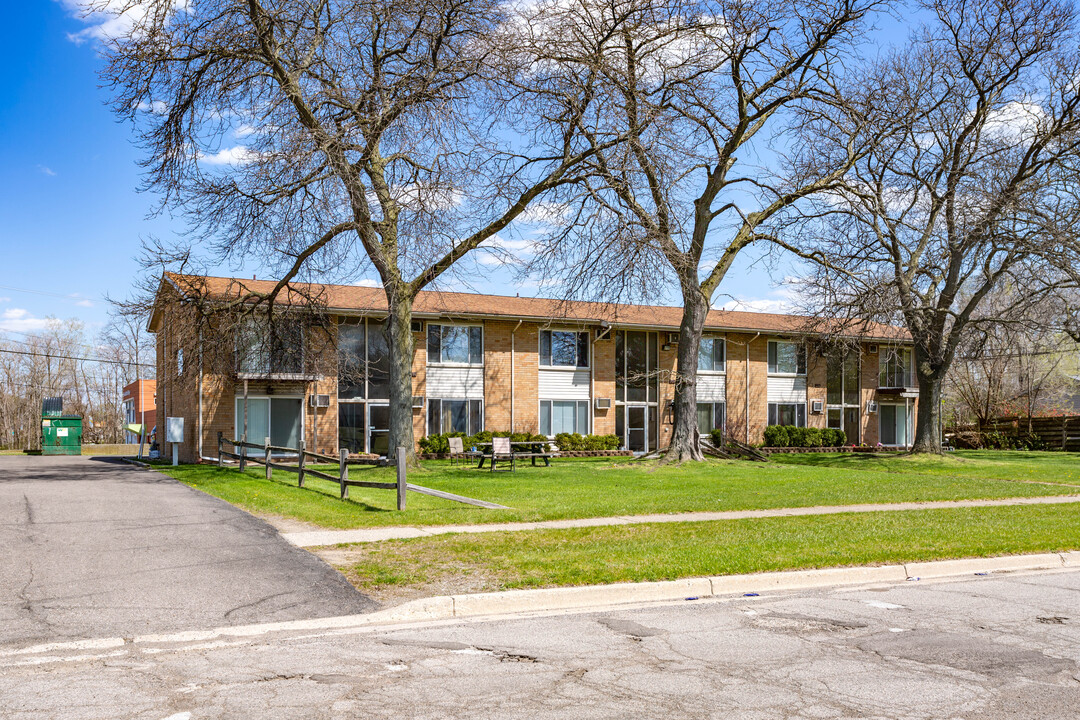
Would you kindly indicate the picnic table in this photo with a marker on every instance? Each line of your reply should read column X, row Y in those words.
column 536, row 449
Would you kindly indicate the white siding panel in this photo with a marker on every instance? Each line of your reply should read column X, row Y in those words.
column 711, row 388
column 455, row 382
column 787, row 389
column 563, row 384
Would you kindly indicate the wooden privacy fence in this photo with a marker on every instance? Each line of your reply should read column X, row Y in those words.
column 1059, row 433
column 342, row 476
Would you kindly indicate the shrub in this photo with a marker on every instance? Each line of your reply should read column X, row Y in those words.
column 777, row 436
column 812, row 437
column 717, row 436
column 833, row 437
column 1030, row 441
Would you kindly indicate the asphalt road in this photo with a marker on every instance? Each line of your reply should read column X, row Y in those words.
column 1004, row 646
column 95, row 547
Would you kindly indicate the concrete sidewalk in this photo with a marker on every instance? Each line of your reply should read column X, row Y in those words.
column 317, row 538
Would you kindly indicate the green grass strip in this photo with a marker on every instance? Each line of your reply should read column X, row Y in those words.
column 582, row 488
column 640, row 553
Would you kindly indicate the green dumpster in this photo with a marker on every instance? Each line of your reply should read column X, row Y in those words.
column 60, row 434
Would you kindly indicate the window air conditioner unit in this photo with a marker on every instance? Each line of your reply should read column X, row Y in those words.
column 673, row 337
column 602, row 403
column 418, row 326
column 871, row 407
column 319, row 401
column 816, row 406
column 872, row 349
column 418, row 401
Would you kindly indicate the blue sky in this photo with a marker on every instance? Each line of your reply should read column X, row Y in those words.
column 71, row 217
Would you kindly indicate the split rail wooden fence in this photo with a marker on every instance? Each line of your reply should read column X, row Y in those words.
column 342, row 476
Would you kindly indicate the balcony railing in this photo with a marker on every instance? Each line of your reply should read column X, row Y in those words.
column 896, row 379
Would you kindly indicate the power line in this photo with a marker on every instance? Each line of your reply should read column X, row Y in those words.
column 44, row 292
column 71, row 357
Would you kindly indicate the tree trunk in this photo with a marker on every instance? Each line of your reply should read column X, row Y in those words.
column 928, row 423
column 685, row 436
column 399, row 341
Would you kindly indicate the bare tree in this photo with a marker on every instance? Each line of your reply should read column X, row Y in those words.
column 971, row 186
column 327, row 138
column 705, row 94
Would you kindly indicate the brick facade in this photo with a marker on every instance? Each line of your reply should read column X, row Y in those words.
column 510, row 385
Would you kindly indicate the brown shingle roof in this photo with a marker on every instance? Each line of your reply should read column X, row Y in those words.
column 350, row 299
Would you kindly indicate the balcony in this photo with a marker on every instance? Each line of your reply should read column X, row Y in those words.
column 902, row 383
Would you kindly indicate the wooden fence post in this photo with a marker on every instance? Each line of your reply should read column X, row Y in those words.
column 344, row 473
column 268, row 468
column 401, row 484
column 300, row 473
column 243, row 452
column 219, row 463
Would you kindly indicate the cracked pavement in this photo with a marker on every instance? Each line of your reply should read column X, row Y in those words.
column 1002, row 646
column 95, row 547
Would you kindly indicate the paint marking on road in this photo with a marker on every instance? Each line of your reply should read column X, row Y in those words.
column 97, row 644
column 884, row 605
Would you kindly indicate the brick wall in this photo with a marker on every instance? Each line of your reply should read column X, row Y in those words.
column 511, row 348
column 604, row 384
column 526, row 378
column 868, row 382
column 816, row 377
column 497, row 369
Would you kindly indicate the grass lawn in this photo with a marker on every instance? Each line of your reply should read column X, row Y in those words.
column 399, row 570
column 600, row 487
column 1056, row 467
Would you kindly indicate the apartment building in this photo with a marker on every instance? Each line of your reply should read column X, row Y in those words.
column 521, row 364
column 139, row 407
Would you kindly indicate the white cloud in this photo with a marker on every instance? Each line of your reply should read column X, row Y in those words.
column 500, row 251
column 45, row 170
column 81, row 301
column 157, row 107
column 783, row 299
column 20, row 320
column 366, row 282
column 5, row 299
column 113, row 19
column 238, row 155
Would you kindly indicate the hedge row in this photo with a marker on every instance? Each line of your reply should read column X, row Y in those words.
column 792, row 436
column 571, row 442
column 438, row 444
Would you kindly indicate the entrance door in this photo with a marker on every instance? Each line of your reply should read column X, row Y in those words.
column 637, row 437
column 379, row 429
column 851, row 425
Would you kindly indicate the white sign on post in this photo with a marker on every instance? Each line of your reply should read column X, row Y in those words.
column 174, row 429
column 174, row 433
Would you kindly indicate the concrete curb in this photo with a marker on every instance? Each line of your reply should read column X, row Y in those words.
column 553, row 600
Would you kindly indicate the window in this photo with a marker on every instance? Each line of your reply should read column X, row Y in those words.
column 787, row 358
column 787, row 414
column 269, row 348
column 564, row 416
column 363, row 361
column 564, row 348
column 711, row 355
column 842, row 379
column 179, row 361
column 352, row 430
column 894, row 368
column 445, row 416
column 636, row 376
column 710, row 416
column 456, row 344
column 277, row 418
